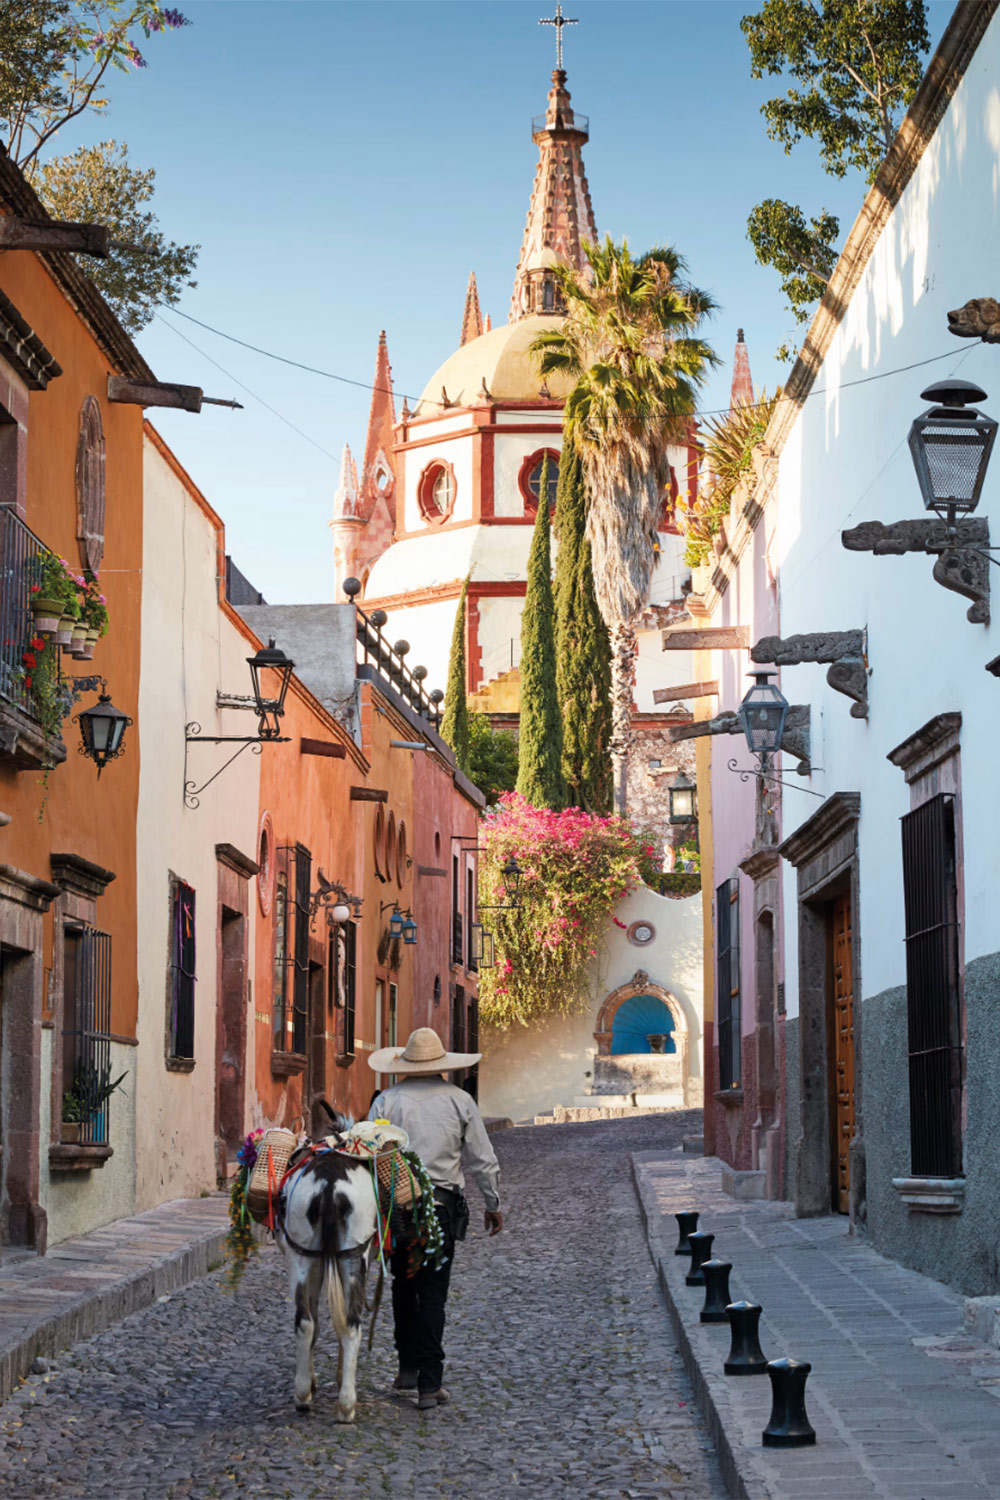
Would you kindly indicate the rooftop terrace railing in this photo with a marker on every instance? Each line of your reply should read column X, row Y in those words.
column 390, row 660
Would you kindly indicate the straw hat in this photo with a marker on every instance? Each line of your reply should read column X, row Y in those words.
column 423, row 1053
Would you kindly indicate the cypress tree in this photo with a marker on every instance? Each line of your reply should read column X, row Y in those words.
column 583, row 650
column 455, row 721
column 540, row 777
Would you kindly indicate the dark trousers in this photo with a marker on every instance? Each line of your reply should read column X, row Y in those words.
column 418, row 1304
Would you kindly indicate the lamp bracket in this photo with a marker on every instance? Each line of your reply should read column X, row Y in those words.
column 193, row 736
column 763, row 775
column 845, row 650
column 961, row 547
column 327, row 895
column 88, row 684
column 794, row 741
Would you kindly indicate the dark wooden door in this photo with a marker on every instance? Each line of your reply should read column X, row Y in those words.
column 843, row 1050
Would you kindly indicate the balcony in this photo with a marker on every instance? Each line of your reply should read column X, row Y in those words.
column 23, row 743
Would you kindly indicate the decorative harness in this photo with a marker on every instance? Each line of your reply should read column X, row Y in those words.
column 278, row 1216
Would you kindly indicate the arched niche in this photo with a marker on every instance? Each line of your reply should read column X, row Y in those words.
column 641, row 984
column 90, row 484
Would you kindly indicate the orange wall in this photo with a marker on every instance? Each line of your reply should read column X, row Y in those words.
column 83, row 816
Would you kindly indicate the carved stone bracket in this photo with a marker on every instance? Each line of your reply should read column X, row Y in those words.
column 845, row 650
column 794, row 741
column 962, row 559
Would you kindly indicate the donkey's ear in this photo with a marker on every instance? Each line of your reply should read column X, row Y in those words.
column 340, row 1122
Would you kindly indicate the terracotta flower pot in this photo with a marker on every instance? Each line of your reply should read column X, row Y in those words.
column 86, row 651
column 69, row 1132
column 78, row 639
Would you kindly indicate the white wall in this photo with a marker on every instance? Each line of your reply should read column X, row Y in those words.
column 846, row 461
column 190, row 651
column 455, row 451
column 530, row 1070
column 509, row 453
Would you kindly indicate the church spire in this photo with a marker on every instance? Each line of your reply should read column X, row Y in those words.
column 560, row 215
column 377, row 476
column 472, row 320
column 741, row 393
column 345, row 499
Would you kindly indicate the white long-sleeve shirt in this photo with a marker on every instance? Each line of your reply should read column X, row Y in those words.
column 442, row 1122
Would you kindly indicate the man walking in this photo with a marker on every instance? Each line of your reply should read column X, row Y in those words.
column 442, row 1122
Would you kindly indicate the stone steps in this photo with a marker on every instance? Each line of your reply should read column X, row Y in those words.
column 574, row 1114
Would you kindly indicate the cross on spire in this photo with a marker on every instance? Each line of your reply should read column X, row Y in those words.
column 559, row 21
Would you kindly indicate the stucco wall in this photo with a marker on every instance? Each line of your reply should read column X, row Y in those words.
column 528, row 1071
column 191, row 650
column 77, row 1202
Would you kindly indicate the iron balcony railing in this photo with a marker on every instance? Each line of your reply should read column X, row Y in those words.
column 21, row 555
column 375, row 650
column 576, row 122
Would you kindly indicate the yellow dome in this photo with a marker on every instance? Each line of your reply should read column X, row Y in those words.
column 504, row 360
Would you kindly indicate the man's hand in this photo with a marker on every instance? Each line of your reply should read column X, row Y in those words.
column 494, row 1222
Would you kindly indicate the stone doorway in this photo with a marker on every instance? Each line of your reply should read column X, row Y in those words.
column 839, row 943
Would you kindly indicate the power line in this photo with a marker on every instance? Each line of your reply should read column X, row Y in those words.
column 367, row 386
column 273, row 410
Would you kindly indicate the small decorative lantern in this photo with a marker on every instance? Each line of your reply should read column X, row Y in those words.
column 395, row 921
column 683, row 806
column 482, row 947
column 340, row 913
column 762, row 715
column 269, row 709
column 102, row 729
column 951, row 443
column 512, row 873
column 409, row 929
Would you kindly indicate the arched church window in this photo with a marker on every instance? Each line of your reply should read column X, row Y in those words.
column 530, row 479
column 548, row 296
column 436, row 491
column 90, row 484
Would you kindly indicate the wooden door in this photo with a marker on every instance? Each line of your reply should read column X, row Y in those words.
column 843, row 1051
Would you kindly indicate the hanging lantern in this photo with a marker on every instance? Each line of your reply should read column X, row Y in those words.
column 683, row 804
column 270, row 707
column 340, row 912
column 409, row 930
column 762, row 715
column 951, row 443
column 102, row 729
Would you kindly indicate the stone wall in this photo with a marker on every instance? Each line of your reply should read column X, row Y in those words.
column 648, row 795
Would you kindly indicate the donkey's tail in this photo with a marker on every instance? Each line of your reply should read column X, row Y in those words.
column 336, row 1298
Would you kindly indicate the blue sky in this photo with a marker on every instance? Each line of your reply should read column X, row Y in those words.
column 345, row 165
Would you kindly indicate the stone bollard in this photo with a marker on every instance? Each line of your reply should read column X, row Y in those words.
column 716, row 1274
column 788, row 1426
column 746, row 1357
column 701, row 1250
column 687, row 1223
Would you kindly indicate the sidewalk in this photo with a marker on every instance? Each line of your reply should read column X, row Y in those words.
column 84, row 1285
column 903, row 1399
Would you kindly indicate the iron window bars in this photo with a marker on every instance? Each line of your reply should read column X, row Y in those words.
column 727, row 922
column 87, row 1029
column 21, row 554
column 183, row 969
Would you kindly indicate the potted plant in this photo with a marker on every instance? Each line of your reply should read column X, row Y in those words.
column 657, row 1041
column 92, row 1088
column 50, row 594
column 72, row 1118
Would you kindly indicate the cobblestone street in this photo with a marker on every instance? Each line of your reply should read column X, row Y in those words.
column 563, row 1374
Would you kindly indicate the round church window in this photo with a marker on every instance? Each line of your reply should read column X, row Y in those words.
column 530, row 479
column 436, row 492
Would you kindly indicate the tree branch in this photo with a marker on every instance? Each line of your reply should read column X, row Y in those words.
column 71, row 114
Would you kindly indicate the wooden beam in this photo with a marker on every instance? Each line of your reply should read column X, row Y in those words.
column 686, row 690
column 713, row 638
column 154, row 393
column 32, row 234
column 368, row 794
column 430, row 870
column 322, row 747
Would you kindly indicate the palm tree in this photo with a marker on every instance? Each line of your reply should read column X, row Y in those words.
column 629, row 339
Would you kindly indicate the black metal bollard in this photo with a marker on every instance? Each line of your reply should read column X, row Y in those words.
column 746, row 1357
column 788, row 1426
column 687, row 1223
column 701, row 1250
column 716, row 1274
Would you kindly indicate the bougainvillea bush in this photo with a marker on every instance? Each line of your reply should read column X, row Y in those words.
column 577, row 866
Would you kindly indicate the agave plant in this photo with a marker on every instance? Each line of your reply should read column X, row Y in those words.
column 629, row 340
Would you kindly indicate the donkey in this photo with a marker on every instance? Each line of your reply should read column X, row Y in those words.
column 327, row 1230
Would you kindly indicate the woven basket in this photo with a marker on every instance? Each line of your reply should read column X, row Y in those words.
column 396, row 1182
column 273, row 1155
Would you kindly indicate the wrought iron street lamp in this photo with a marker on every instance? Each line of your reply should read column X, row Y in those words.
column 269, row 707
column 951, row 443
column 683, row 799
column 409, row 929
column 762, row 715
column 395, row 921
column 102, row 729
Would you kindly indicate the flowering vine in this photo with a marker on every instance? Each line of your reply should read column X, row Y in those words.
column 577, row 867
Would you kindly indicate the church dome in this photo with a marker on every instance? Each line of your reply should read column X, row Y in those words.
column 504, row 360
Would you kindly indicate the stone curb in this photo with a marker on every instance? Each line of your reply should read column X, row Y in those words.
column 93, row 1313
column 728, row 1462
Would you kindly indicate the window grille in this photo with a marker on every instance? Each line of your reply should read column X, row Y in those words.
column 933, row 991
column 21, row 555
column 349, row 936
column 727, row 920
column 183, row 970
column 87, row 1027
column 456, row 913
column 300, row 977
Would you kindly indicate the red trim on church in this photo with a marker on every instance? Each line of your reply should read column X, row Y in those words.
column 434, row 471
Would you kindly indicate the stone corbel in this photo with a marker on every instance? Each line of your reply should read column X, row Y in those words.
column 794, row 741
column 962, row 564
column 845, row 650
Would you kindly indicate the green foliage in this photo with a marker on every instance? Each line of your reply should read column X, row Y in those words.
column 455, row 722
column 727, row 445
column 804, row 255
column 96, row 185
column 92, row 1088
column 583, row 651
column 852, row 67
column 539, row 776
column 856, row 65
column 680, row 883
column 55, row 58
column 492, row 758
column 688, row 857
column 576, row 868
